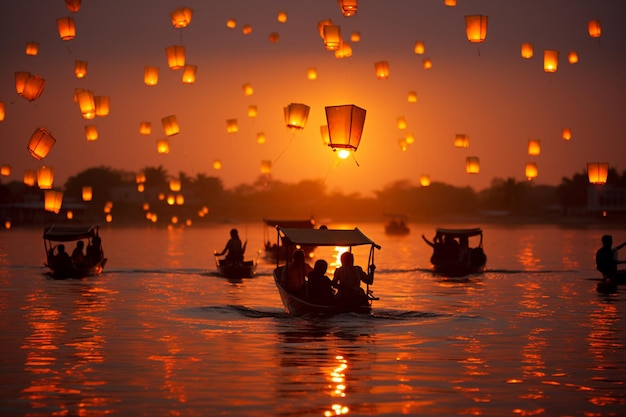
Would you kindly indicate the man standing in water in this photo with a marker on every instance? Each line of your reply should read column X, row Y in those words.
column 606, row 260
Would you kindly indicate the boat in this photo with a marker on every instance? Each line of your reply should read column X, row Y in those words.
column 292, row 237
column 245, row 269
column 446, row 259
column 397, row 225
column 56, row 235
column 275, row 251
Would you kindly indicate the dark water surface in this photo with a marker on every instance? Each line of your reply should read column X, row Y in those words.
column 160, row 334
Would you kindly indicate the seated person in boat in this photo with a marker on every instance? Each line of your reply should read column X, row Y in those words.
column 606, row 259
column 78, row 257
column 319, row 286
column 293, row 275
column 94, row 251
column 347, row 280
column 62, row 260
column 233, row 249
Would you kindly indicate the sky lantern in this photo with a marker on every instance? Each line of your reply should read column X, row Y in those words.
column 427, row 63
column 531, row 170
column 108, row 207
column 566, row 133
column 86, row 103
column 53, row 200
column 382, row 70
column 527, row 50
column 145, row 128
column 597, row 172
column 91, row 132
column 181, row 17
column 401, row 122
column 5, row 170
column 476, row 28
column 45, row 177
column 311, row 74
column 274, row 37
column 2, row 111
column 345, row 127
column 594, row 28
column 70, row 214
column 296, row 115
column 73, row 5
column 355, row 36
column 282, row 16
column 32, row 48
column 40, row 143
column 409, row 138
column 325, row 135
column 332, row 37
column 150, row 75
column 171, row 199
column 175, row 57
column 472, row 165
column 189, row 74
column 252, row 111
column 412, row 97
column 87, row 193
column 67, row 28
column 103, row 105
column 572, row 57
column 550, row 60
column 260, row 138
column 461, row 140
column 30, row 177
column 344, row 51
column 247, row 89
column 419, row 48
column 348, row 7
column 170, row 125
column 534, row 147
column 425, row 180
column 321, row 24
column 217, row 164
column 140, row 177
column 231, row 23
column 246, row 30
column 80, row 68
column 180, row 199
column 141, row 187
column 266, row 167
column 175, row 185
column 449, row 3
column 163, row 146
column 28, row 85
column 403, row 145
column 232, row 126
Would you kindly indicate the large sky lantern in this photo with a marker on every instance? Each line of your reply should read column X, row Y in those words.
column 597, row 172
column 53, row 201
column 181, row 17
column 311, row 74
column 566, row 133
column 73, row 5
column 232, row 126
column 175, row 57
column 170, row 125
column 103, row 105
column 461, row 140
column 296, row 115
column 45, row 177
column 32, row 48
column 531, row 170
column 382, row 70
column 80, row 68
column 145, row 128
column 87, row 193
column 527, row 50
column 86, row 103
column 550, row 60
column 345, row 127
column 163, row 146
column 40, row 143
column 150, row 75
column 67, row 28
column 594, row 28
column 472, row 165
column 419, row 48
column 91, row 132
column 348, row 7
column 476, row 28
column 189, row 74
column 534, row 147
column 30, row 177
column 572, row 57
column 332, row 37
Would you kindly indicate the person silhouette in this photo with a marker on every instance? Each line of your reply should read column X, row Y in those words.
column 234, row 249
column 606, row 260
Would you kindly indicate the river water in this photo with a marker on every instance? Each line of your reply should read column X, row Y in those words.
column 160, row 334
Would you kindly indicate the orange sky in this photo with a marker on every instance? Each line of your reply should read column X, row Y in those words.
column 484, row 90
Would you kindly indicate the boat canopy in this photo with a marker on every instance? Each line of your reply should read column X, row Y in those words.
column 475, row 231
column 324, row 237
column 307, row 224
column 66, row 233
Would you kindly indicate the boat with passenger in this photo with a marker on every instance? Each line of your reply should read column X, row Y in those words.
column 61, row 263
column 236, row 270
column 453, row 252
column 298, row 305
column 397, row 225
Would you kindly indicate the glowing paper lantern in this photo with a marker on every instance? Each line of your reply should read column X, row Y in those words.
column 73, row 5
column 170, row 125
column 163, row 146
column 150, row 75
column 266, row 167
column 461, row 140
column 427, row 63
column 531, row 170
column 355, row 36
column 282, row 16
column 597, row 172
column 30, row 177
column 141, row 188
column 527, row 50
column 450, row 3
column 67, row 28
column 311, row 74
column 20, row 81
column 87, row 193
column 332, row 37
column 348, row 7
column 217, row 164
column 325, row 135
column 260, row 138
column 91, row 132
column 534, row 147
column 419, row 47
column 28, row 85
column 345, row 126
column 246, row 30
column 32, row 48
column 296, row 115
column 70, row 214
column 140, row 177
column 189, row 74
column 594, row 28
column 252, row 111
column 180, row 199
column 401, row 122
column 145, row 128
column 409, row 138
column 566, row 133
column 550, row 60
column 403, row 145
column 472, row 165
column 53, row 201
column 412, row 97
column 86, row 103
column 382, row 70
column 175, row 185
column 231, row 23
column 103, row 105
column 476, row 28
column 232, row 126
column 572, row 57
column 45, row 177
column 181, row 18
column 247, row 89
column 2, row 111
column 171, row 199
column 175, row 56
column 274, row 37
column 344, row 51
column 5, row 170
column 321, row 24
column 80, row 68
column 425, row 180
column 40, row 143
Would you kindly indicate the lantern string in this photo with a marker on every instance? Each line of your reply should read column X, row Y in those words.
column 283, row 151
column 354, row 158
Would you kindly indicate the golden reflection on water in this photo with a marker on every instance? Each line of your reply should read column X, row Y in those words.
column 526, row 253
column 337, row 385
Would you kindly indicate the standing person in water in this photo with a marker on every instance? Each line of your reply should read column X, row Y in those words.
column 234, row 249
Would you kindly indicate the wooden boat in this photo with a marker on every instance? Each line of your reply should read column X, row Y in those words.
column 453, row 259
column 245, row 269
column 297, row 306
column 397, row 225
column 60, row 234
column 275, row 251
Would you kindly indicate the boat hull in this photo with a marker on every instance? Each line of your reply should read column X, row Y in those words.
column 247, row 269
column 77, row 271
column 458, row 270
